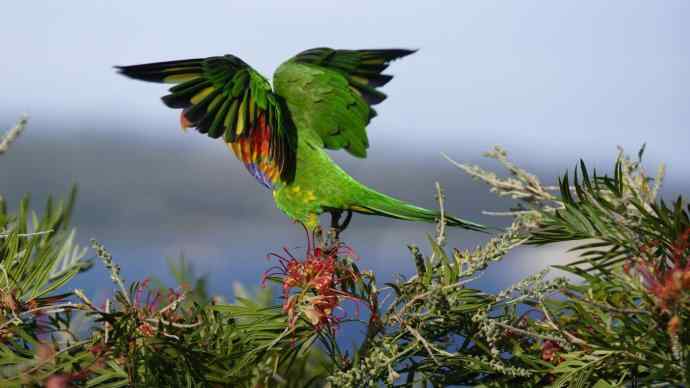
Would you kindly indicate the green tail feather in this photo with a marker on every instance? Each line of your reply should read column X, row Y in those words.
column 383, row 205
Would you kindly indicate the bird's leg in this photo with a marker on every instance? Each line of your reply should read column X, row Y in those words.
column 336, row 226
column 335, row 217
column 348, row 218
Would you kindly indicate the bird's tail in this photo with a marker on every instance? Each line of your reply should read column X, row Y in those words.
column 383, row 205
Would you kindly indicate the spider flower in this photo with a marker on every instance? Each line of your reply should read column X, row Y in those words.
column 669, row 285
column 313, row 287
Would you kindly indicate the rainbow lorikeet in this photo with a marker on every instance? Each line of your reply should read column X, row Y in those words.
column 321, row 99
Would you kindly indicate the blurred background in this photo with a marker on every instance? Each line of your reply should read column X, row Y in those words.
column 552, row 82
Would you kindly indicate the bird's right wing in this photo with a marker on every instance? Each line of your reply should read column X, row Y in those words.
column 224, row 97
column 332, row 92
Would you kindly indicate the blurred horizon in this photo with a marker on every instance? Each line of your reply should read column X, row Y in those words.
column 551, row 82
column 149, row 201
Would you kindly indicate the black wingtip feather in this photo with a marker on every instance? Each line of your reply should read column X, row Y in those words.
column 373, row 98
column 157, row 71
column 175, row 101
column 391, row 54
column 205, row 124
column 379, row 80
column 372, row 114
column 400, row 53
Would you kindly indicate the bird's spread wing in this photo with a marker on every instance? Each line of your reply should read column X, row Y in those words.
column 332, row 92
column 224, row 97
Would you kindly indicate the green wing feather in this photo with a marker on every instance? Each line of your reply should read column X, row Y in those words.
column 332, row 92
column 224, row 97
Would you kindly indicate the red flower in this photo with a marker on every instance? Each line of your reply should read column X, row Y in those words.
column 549, row 351
column 668, row 283
column 146, row 329
column 312, row 287
column 674, row 325
column 146, row 306
column 57, row 381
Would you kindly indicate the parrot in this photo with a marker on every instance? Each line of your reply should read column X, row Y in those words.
column 321, row 99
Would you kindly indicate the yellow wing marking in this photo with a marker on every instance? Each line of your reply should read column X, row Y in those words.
column 202, row 94
column 360, row 209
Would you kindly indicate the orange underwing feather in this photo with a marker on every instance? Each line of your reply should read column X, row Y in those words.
column 184, row 122
column 255, row 152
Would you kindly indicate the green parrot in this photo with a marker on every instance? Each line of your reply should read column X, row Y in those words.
column 321, row 99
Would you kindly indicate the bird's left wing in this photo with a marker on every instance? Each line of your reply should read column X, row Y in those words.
column 224, row 97
column 331, row 92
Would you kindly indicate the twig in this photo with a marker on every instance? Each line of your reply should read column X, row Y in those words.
column 106, row 325
column 32, row 234
column 509, row 213
column 524, row 186
column 528, row 333
column 425, row 295
column 424, row 343
column 7, row 277
column 554, row 326
column 114, row 269
column 173, row 324
column 173, row 305
column 51, row 309
column 658, row 181
column 13, row 134
column 80, row 294
column 418, row 259
column 441, row 227
column 173, row 336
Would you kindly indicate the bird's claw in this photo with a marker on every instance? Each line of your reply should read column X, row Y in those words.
column 336, row 226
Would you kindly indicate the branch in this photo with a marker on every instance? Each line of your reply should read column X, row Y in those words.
column 522, row 186
column 13, row 134
column 32, row 234
column 441, row 227
column 114, row 269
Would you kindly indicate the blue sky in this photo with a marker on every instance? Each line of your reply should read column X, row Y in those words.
column 551, row 81
column 547, row 75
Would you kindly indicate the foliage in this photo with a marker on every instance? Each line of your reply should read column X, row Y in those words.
column 619, row 317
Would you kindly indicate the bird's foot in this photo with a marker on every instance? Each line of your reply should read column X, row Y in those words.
column 325, row 241
column 332, row 238
column 336, row 225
